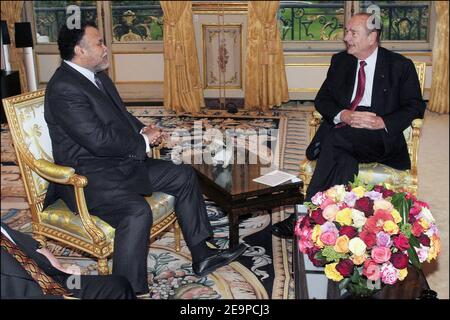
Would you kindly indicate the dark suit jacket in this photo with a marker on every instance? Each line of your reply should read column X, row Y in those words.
column 396, row 97
column 95, row 134
column 15, row 281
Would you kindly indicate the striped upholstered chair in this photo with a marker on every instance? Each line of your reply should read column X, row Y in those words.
column 90, row 234
column 375, row 173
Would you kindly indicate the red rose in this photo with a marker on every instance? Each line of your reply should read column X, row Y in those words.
column 385, row 192
column 364, row 204
column 369, row 238
column 345, row 267
column 317, row 216
column 399, row 260
column 348, row 231
column 401, row 242
column 424, row 240
column 311, row 252
column 388, row 193
column 417, row 229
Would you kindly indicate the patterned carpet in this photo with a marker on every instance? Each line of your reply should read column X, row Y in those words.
column 264, row 269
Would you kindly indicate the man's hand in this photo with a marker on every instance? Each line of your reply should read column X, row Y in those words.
column 362, row 120
column 154, row 134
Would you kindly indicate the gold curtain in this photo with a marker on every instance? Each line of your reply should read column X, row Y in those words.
column 265, row 74
column 439, row 85
column 182, row 85
column 11, row 12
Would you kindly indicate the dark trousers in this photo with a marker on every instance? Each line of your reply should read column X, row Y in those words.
column 131, row 216
column 103, row 287
column 342, row 149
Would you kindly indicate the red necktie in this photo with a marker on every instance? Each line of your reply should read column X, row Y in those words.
column 359, row 90
column 48, row 284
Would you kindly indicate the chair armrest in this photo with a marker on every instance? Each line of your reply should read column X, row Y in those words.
column 416, row 126
column 53, row 172
column 156, row 150
column 314, row 124
column 66, row 175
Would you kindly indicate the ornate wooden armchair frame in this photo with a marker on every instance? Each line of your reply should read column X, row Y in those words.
column 90, row 234
column 375, row 172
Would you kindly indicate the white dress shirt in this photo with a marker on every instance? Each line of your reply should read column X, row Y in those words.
column 91, row 77
column 369, row 69
column 7, row 235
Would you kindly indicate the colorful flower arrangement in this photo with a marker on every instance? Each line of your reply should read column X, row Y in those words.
column 365, row 236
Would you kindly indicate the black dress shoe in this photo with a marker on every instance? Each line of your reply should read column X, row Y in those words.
column 285, row 228
column 220, row 259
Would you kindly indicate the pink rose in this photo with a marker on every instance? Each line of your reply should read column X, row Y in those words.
column 328, row 238
column 326, row 203
column 401, row 242
column 330, row 212
column 381, row 254
column 389, row 273
column 371, row 270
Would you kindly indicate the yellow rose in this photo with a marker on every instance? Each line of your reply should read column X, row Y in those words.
column 315, row 236
column 383, row 205
column 402, row 273
column 390, row 227
column 332, row 273
column 358, row 260
column 344, row 217
column 396, row 215
column 341, row 244
column 357, row 246
column 435, row 248
column 424, row 223
column 359, row 191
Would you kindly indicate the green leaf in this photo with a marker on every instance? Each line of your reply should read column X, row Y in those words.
column 406, row 229
column 414, row 258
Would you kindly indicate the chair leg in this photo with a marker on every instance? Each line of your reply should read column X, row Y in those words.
column 177, row 233
column 103, row 266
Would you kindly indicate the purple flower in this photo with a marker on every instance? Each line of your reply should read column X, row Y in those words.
column 374, row 195
column 383, row 239
column 329, row 227
column 350, row 198
column 422, row 253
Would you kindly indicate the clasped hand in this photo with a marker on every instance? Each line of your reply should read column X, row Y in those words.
column 154, row 134
column 362, row 119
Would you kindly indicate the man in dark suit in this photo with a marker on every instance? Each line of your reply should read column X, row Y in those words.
column 92, row 131
column 369, row 97
column 18, row 283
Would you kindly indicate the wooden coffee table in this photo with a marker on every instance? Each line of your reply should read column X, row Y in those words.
column 234, row 190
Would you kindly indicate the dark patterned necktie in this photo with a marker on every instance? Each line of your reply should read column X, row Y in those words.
column 99, row 84
column 359, row 90
column 48, row 285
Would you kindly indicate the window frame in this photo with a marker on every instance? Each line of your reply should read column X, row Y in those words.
column 353, row 7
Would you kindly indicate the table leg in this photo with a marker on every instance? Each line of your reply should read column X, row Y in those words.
column 233, row 219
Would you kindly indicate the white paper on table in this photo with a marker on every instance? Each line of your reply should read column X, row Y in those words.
column 275, row 178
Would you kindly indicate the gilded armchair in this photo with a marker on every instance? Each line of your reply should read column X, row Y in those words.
column 374, row 173
column 88, row 233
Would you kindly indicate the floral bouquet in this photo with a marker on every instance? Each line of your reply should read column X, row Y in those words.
column 365, row 236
